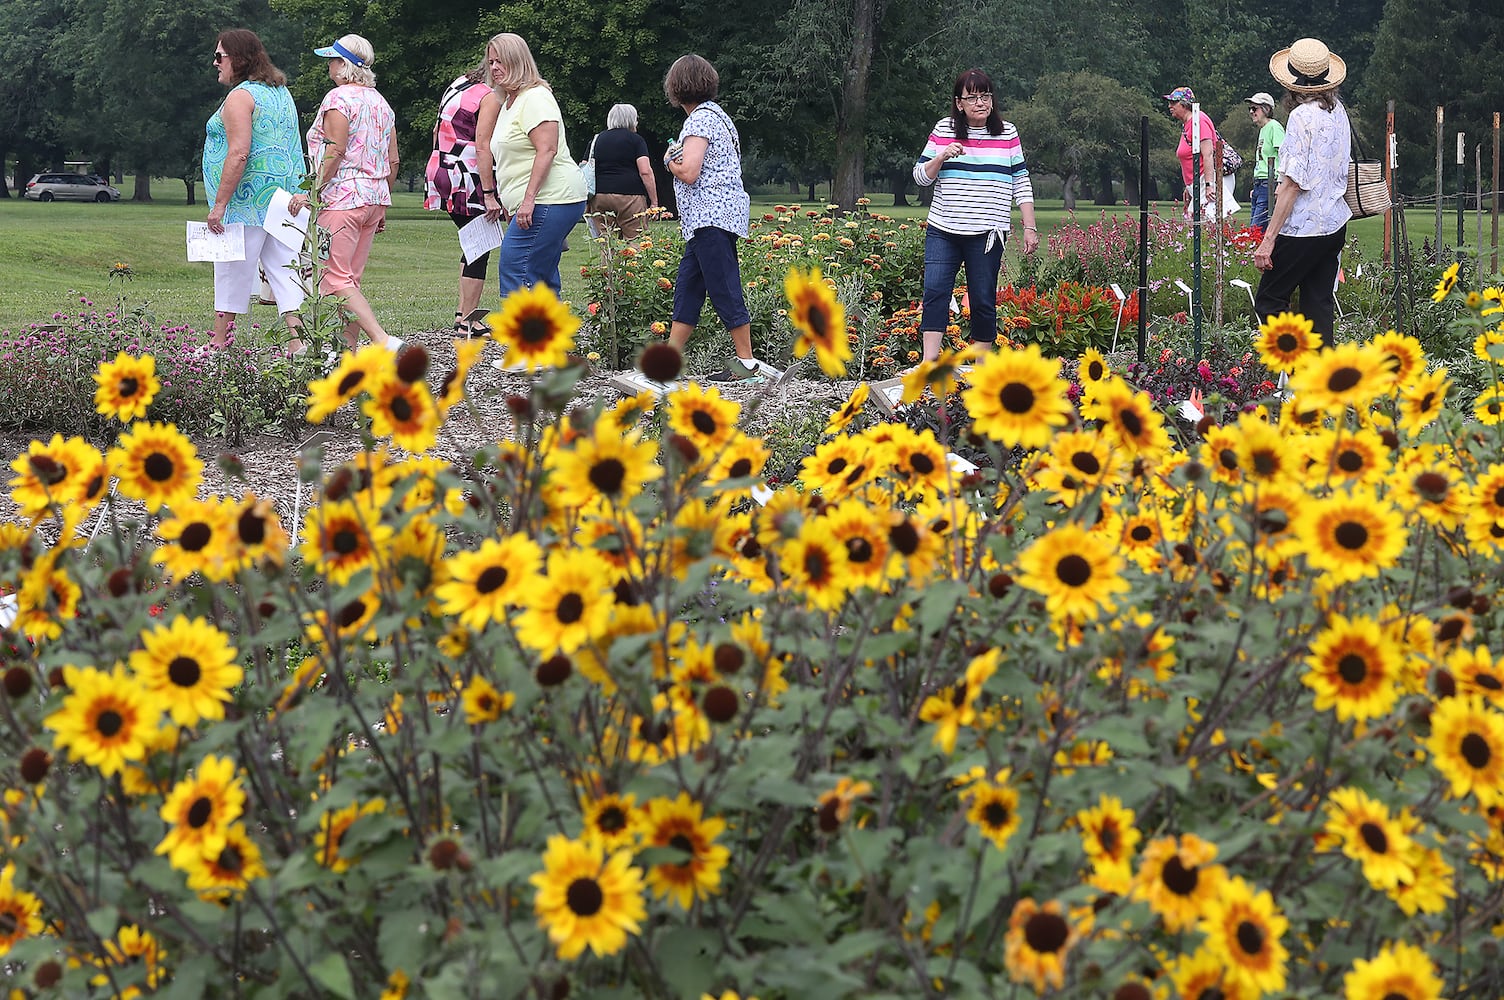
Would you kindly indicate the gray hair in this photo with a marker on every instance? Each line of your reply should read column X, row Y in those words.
column 348, row 72
column 622, row 116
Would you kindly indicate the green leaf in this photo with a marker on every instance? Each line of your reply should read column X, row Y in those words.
column 103, row 921
column 937, row 604
column 334, row 975
column 405, row 937
column 855, row 946
column 190, row 979
column 687, row 958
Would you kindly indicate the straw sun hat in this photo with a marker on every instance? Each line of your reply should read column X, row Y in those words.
column 1307, row 67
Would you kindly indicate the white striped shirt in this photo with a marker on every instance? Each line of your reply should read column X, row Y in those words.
column 976, row 191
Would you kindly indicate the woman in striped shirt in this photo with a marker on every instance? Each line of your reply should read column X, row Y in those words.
column 976, row 163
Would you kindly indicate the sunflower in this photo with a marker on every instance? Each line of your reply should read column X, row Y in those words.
column 1403, row 354
column 614, row 821
column 227, row 872
column 481, row 584
column 1204, row 975
column 1285, row 340
column 20, row 911
column 535, row 327
column 835, row 805
column 59, row 472
column 343, row 537
column 743, row 457
column 1178, row 880
column 918, row 461
column 106, row 720
column 190, row 666
column 1347, row 456
column 680, row 824
column 955, row 706
column 1432, row 886
column 1467, row 747
column 156, row 465
column 1370, row 837
column 604, row 464
column 816, row 565
column 1447, row 283
column 451, row 387
column 365, row 370
column 334, row 824
column 570, row 605
column 125, row 387
column 1477, row 673
column 837, row 466
column 1354, row 668
column 1018, row 398
column 1092, row 371
column 703, row 416
column 199, row 810
column 1037, row 942
column 1077, row 571
column 864, row 532
column 47, row 598
column 404, row 412
column 259, row 532
column 1429, row 482
column 847, row 411
column 132, row 947
column 1243, row 928
column 1079, row 463
column 483, row 703
column 199, row 537
column 1346, row 375
column 1422, row 400
column 1129, row 419
column 992, row 807
column 820, row 319
column 1488, row 406
column 1488, row 493
column 1400, row 971
column 1351, row 535
column 1109, row 839
column 586, row 899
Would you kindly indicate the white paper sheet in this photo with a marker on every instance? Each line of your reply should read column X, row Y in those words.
column 284, row 227
column 479, row 236
column 204, row 245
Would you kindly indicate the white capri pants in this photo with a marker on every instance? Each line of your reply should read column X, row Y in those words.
column 236, row 281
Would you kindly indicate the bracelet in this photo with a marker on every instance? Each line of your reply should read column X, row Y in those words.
column 487, row 190
column 1030, row 229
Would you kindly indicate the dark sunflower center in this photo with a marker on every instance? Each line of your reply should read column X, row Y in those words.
column 1353, row 668
column 1265, row 463
column 1373, row 835
column 158, row 467
column 921, row 463
column 741, row 467
column 1488, row 681
column 996, row 814
column 1141, row 533
column 1108, row 838
column 8, row 924
column 1046, row 933
column 1178, row 878
column 1499, row 497
column 1351, row 535
column 608, row 475
column 350, row 383
column 1250, row 938
column 1073, row 571
column 184, row 671
column 195, row 537
column 905, row 538
column 1344, row 379
column 200, row 812
column 1286, row 342
column 1228, row 458
column 584, row 897
column 1392, row 995
column 858, row 550
column 681, row 842
column 816, row 566
column 1016, row 398
column 571, row 608
column 47, row 471
column 109, row 723
column 1087, row 463
column 402, row 409
column 1095, row 371
column 230, row 860
column 836, row 467
column 491, row 579
column 612, row 820
column 1132, row 422
column 252, row 528
column 344, row 541
column 1431, row 485
column 1350, row 461
column 703, row 422
column 1476, row 751
column 535, row 330
column 351, row 613
column 1427, row 401
column 129, row 387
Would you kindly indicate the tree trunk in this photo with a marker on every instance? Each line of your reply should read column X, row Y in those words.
column 1068, row 192
column 794, row 187
column 900, row 176
column 24, row 170
column 4, row 184
column 1130, row 186
column 851, row 124
column 811, row 197
column 1104, row 183
column 188, row 182
column 143, row 188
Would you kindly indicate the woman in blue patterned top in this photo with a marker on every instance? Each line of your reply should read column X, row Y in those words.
column 251, row 148
column 714, row 211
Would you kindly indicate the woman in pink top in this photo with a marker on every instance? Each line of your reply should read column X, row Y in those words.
column 352, row 146
column 1181, row 99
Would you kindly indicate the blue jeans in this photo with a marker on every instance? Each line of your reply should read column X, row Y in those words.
column 709, row 267
column 944, row 255
column 530, row 257
column 1259, row 204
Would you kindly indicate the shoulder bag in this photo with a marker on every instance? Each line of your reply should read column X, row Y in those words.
column 587, row 169
column 1367, row 194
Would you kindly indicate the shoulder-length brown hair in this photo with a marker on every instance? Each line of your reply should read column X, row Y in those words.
column 691, row 80
column 978, row 82
column 248, row 58
column 1326, row 100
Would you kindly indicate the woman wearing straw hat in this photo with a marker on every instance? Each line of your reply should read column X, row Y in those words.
column 1303, row 244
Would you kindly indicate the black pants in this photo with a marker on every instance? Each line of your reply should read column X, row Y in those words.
column 1308, row 263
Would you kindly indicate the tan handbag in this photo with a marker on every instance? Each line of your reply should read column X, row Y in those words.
column 1367, row 194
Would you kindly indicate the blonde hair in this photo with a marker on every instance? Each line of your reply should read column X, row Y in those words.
column 348, row 72
column 519, row 70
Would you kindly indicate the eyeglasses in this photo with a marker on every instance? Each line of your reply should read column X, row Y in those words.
column 1254, row 111
column 975, row 99
column 219, row 57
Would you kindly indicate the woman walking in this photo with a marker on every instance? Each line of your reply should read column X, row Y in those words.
column 975, row 161
column 352, row 145
column 625, row 188
column 1271, row 137
column 1213, row 180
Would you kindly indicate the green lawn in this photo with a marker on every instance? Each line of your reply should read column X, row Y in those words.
column 53, row 253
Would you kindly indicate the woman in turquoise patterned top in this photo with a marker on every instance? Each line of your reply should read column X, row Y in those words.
column 252, row 148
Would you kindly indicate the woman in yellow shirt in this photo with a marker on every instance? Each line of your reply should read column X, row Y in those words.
column 527, row 173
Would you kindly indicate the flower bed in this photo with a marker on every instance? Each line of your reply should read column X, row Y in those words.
column 1137, row 711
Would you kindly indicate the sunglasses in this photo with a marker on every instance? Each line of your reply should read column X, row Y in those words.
column 220, row 57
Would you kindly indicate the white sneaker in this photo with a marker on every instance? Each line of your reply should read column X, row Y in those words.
column 502, row 365
column 395, row 344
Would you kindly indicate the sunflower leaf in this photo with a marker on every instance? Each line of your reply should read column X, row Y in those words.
column 334, row 975
column 687, row 958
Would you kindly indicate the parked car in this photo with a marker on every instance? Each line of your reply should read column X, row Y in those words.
column 69, row 187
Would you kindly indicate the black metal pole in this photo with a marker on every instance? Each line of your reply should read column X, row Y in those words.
column 1195, row 195
column 1143, row 237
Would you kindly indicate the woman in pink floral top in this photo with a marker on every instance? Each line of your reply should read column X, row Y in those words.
column 352, row 147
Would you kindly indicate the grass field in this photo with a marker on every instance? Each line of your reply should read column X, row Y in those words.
column 53, row 253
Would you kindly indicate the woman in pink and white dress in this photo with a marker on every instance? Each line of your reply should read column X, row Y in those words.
column 352, row 147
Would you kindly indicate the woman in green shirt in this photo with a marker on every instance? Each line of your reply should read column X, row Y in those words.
column 1271, row 137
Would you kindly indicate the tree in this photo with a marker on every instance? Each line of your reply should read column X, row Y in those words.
column 35, row 90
